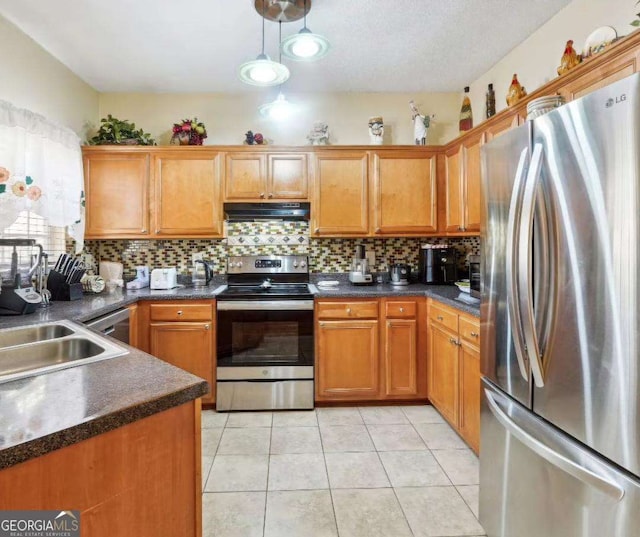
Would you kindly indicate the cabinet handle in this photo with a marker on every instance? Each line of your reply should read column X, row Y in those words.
column 474, row 334
column 157, row 232
column 348, row 311
column 440, row 318
column 317, row 230
column 270, row 195
column 206, row 327
column 179, row 312
column 262, row 194
column 143, row 231
column 401, row 310
column 452, row 341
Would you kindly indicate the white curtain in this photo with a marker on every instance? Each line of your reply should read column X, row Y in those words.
column 40, row 171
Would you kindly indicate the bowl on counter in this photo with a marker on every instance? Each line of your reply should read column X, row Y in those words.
column 464, row 286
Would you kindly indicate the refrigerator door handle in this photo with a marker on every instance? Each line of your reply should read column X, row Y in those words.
column 525, row 264
column 513, row 223
column 596, row 475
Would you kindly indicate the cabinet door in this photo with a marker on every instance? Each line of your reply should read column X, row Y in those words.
column 117, row 194
column 454, row 190
column 341, row 194
column 601, row 76
column 188, row 346
column 472, row 185
column 404, row 193
column 443, row 372
column 470, row 395
column 347, row 360
column 288, row 177
column 187, row 199
column 501, row 126
column 245, row 176
column 401, row 357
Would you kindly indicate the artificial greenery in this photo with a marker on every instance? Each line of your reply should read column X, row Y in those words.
column 636, row 22
column 113, row 131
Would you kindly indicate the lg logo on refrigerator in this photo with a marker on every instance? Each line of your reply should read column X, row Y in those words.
column 617, row 100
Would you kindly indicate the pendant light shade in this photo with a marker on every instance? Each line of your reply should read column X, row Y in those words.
column 278, row 110
column 263, row 72
column 305, row 46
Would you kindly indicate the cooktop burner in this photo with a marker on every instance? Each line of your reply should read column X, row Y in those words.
column 289, row 291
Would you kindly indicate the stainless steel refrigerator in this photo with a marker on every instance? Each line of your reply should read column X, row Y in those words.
column 560, row 425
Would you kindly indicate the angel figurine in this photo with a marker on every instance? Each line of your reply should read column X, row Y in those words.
column 420, row 124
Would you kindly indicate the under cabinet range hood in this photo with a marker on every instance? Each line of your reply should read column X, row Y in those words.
column 251, row 212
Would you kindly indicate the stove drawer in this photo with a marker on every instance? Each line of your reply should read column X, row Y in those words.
column 261, row 395
column 181, row 312
column 348, row 310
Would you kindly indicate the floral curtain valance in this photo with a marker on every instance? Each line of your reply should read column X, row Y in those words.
column 40, row 170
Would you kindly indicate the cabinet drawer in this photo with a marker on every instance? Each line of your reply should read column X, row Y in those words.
column 348, row 310
column 400, row 310
column 443, row 316
column 470, row 330
column 181, row 312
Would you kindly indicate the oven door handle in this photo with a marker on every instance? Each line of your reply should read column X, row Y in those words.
column 265, row 305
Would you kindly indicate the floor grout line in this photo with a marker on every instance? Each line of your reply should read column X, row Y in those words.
column 326, row 469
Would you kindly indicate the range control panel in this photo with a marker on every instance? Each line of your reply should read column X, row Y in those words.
column 270, row 264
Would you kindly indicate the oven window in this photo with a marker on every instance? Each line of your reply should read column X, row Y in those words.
column 257, row 338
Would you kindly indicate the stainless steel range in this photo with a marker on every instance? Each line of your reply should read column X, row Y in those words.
column 265, row 349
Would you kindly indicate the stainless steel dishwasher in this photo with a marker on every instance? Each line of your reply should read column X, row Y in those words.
column 114, row 324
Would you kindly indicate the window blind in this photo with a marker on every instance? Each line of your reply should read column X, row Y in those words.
column 32, row 226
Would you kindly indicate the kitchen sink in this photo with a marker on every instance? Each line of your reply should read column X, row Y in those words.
column 43, row 348
column 33, row 334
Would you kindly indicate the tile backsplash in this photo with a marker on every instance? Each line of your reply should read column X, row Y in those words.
column 264, row 238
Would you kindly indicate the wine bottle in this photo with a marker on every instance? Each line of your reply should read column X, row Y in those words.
column 491, row 102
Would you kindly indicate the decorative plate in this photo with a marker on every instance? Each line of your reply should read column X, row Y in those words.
column 598, row 40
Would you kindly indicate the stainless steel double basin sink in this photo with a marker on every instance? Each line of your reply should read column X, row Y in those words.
column 42, row 348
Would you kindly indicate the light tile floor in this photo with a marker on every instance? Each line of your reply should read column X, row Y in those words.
column 347, row 472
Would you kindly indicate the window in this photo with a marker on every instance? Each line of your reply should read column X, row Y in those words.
column 32, row 226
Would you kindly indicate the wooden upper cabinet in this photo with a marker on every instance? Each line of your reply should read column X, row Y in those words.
column 404, row 193
column 288, row 176
column 618, row 68
column 341, row 194
column 454, row 190
column 245, row 175
column 472, row 177
column 117, row 194
column 266, row 176
column 502, row 125
column 187, row 200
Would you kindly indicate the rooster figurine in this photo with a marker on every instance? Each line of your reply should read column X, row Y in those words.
column 569, row 59
column 516, row 91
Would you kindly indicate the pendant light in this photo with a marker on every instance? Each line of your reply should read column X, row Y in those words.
column 280, row 109
column 305, row 46
column 263, row 71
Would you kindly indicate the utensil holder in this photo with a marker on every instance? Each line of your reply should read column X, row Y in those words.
column 60, row 289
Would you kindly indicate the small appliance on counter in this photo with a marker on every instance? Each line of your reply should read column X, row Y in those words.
column 164, row 278
column 17, row 294
column 474, row 275
column 202, row 273
column 438, row 265
column 360, row 273
column 141, row 280
column 399, row 274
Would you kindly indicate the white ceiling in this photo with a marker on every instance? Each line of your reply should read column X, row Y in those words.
column 197, row 45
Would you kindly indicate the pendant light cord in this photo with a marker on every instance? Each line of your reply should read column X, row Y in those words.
column 305, row 13
column 263, row 1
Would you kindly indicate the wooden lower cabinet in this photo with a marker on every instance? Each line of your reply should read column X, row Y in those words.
column 454, row 369
column 371, row 349
column 347, row 363
column 443, row 372
column 469, row 372
column 188, row 344
column 142, row 479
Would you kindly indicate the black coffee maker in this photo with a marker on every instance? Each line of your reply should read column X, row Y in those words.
column 438, row 265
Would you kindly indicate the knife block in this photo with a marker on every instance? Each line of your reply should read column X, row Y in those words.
column 60, row 289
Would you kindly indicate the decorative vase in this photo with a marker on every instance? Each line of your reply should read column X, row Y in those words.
column 466, row 115
column 491, row 101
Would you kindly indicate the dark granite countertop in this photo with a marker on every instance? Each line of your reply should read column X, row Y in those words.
column 43, row 413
